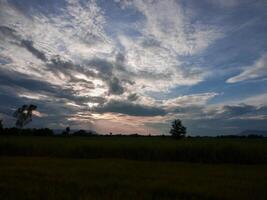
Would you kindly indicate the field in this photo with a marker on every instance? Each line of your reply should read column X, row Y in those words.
column 132, row 168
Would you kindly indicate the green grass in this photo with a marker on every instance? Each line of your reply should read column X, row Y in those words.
column 61, row 178
column 242, row 151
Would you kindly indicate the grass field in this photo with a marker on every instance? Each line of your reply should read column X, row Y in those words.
column 132, row 168
column 244, row 151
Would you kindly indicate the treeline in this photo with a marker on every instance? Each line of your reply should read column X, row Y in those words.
column 38, row 132
column 66, row 133
column 229, row 136
column 42, row 132
column 241, row 136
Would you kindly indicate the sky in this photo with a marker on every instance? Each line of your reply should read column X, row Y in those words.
column 133, row 66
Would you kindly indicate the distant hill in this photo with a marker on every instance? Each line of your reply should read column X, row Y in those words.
column 254, row 132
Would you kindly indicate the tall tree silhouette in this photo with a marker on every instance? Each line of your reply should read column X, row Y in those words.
column 24, row 115
column 177, row 129
column 66, row 132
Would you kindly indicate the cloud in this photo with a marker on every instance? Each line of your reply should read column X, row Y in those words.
column 7, row 31
column 106, row 73
column 115, row 86
column 221, row 119
column 60, row 33
column 71, row 49
column 183, row 105
column 240, row 111
column 190, row 100
column 166, row 33
column 256, row 71
column 225, row 3
column 258, row 100
column 129, row 108
column 84, row 63
column 237, row 109
column 132, row 97
column 157, row 66
column 169, row 24
column 230, row 3
column 29, row 46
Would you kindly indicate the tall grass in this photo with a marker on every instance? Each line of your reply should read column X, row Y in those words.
column 243, row 151
column 56, row 178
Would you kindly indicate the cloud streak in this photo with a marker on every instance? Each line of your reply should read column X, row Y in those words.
column 258, row 70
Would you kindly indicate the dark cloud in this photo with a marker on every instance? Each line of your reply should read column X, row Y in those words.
column 68, row 68
column 120, row 62
column 29, row 46
column 187, row 109
column 58, row 65
column 149, row 75
column 242, row 111
column 16, row 79
column 7, row 31
column 129, row 108
column 225, row 113
column 150, row 42
column 120, row 58
column 238, row 110
column 262, row 110
column 21, row 82
column 105, row 69
column 132, row 97
column 101, row 65
column 115, row 86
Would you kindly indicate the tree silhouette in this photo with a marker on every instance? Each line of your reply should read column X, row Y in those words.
column 177, row 129
column 24, row 115
column 1, row 125
column 66, row 132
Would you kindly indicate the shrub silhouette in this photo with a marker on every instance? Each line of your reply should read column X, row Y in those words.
column 177, row 129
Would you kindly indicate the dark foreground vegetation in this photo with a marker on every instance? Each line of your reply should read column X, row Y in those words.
column 203, row 150
column 133, row 167
column 34, row 178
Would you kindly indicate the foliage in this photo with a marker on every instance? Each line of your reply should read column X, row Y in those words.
column 24, row 115
column 177, row 130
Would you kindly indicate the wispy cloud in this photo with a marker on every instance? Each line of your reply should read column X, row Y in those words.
column 258, row 70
